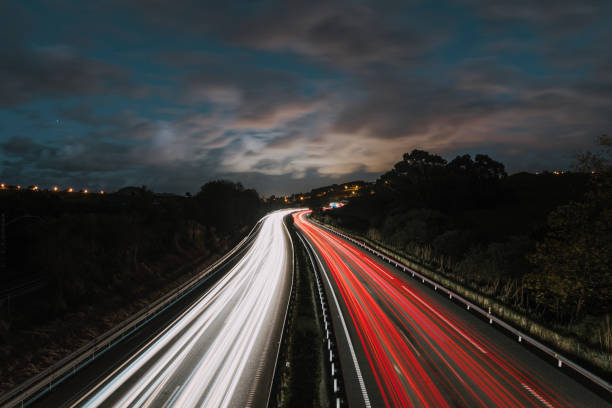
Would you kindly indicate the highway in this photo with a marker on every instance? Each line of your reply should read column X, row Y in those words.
column 219, row 351
column 402, row 344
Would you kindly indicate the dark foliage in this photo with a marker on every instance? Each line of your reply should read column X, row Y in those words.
column 539, row 243
column 94, row 246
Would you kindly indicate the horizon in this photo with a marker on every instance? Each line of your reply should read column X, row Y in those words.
column 106, row 190
column 287, row 97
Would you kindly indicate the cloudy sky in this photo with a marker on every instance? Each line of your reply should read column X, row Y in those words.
column 285, row 96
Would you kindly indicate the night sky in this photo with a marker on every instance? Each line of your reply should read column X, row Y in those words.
column 287, row 96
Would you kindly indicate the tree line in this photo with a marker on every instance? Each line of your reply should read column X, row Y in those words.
column 541, row 243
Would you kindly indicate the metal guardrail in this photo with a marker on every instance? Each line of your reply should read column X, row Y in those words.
column 49, row 378
column 338, row 390
column 21, row 288
column 561, row 360
column 288, row 315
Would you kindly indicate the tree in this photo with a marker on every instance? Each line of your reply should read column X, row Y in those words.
column 488, row 168
column 227, row 205
column 574, row 260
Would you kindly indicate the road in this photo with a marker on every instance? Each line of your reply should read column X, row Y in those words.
column 220, row 351
column 403, row 344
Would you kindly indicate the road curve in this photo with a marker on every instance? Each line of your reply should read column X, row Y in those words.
column 220, row 351
column 402, row 344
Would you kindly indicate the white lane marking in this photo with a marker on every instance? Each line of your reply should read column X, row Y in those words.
column 445, row 320
column 172, row 397
column 389, row 276
column 537, row 396
column 364, row 393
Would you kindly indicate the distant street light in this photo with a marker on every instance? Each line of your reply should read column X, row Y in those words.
column 55, row 188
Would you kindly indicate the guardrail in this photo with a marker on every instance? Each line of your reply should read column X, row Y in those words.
column 561, row 360
column 337, row 386
column 46, row 380
column 276, row 379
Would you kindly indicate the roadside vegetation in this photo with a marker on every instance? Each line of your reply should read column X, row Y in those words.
column 539, row 244
column 101, row 258
column 303, row 378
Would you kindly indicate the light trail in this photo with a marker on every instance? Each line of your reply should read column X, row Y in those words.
column 419, row 354
column 209, row 356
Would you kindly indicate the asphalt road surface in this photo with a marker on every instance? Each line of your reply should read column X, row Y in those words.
column 402, row 344
column 219, row 350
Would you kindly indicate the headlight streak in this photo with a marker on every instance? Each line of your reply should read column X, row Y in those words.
column 201, row 359
column 407, row 340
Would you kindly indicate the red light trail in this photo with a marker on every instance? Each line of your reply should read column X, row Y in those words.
column 419, row 354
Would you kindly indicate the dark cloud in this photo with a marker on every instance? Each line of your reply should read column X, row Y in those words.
column 558, row 14
column 55, row 72
column 25, row 148
column 345, row 34
column 485, row 101
column 287, row 95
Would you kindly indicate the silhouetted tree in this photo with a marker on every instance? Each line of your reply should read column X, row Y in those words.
column 574, row 260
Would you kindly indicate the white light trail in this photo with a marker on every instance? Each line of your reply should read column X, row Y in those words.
column 207, row 356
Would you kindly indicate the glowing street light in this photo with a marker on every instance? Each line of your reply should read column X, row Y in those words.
column 55, row 188
column 101, row 191
column 70, row 190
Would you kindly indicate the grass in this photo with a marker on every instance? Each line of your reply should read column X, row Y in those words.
column 304, row 381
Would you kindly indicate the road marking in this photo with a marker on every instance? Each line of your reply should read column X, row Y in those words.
column 364, row 393
column 445, row 320
column 536, row 395
column 172, row 397
column 389, row 276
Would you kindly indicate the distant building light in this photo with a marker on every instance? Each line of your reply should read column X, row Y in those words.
column 55, row 188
